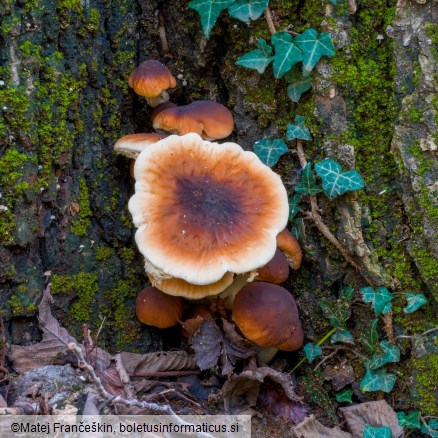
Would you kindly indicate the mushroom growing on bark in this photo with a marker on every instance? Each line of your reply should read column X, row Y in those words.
column 158, row 309
column 204, row 209
column 267, row 315
column 288, row 243
column 132, row 144
column 210, row 120
column 151, row 79
column 276, row 270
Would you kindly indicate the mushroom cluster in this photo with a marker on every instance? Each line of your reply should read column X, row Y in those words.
column 210, row 218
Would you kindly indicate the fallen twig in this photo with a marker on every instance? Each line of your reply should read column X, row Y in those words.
column 106, row 396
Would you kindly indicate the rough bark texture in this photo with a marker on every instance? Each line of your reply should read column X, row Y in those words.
column 65, row 100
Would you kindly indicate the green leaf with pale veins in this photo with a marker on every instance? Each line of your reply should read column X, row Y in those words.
column 380, row 298
column 298, row 84
column 209, row 10
column 269, row 151
column 411, row 421
column 376, row 432
column 298, row 130
column 344, row 396
column 377, row 380
column 294, row 206
column 287, row 54
column 258, row 59
column 343, row 336
column 314, row 47
column 431, row 429
column 370, row 340
column 335, row 182
column 247, row 10
column 312, row 351
column 391, row 353
column 307, row 185
column 415, row 301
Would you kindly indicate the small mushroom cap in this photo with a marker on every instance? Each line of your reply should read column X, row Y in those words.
column 132, row 144
column 155, row 308
column 267, row 315
column 276, row 270
column 181, row 288
column 287, row 242
column 204, row 209
column 211, row 120
column 151, row 78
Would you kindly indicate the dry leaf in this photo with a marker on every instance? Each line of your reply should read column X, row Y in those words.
column 54, row 343
column 68, row 410
column 340, row 376
column 311, row 427
column 207, row 345
column 152, row 363
column 192, row 326
column 3, row 403
column 242, row 391
column 273, row 399
column 375, row 413
column 112, row 381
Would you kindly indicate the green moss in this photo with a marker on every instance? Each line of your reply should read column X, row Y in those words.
column 82, row 289
column 82, row 221
column 424, row 392
column 103, row 253
column 21, row 303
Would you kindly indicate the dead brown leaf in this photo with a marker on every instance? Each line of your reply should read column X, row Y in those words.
column 151, row 363
column 311, row 427
column 374, row 413
column 192, row 325
column 54, row 343
column 241, row 391
column 207, row 344
column 340, row 375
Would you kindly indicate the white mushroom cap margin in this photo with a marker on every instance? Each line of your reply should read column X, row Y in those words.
column 203, row 209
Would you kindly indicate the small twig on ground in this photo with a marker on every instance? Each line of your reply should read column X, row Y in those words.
column 421, row 334
column 167, row 374
column 106, row 396
column 326, row 358
column 124, row 377
column 329, row 347
column 176, row 392
column 269, row 20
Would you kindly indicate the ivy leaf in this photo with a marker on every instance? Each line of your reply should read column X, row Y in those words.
column 307, row 185
column 344, row 396
column 312, row 351
column 370, row 340
column 294, row 206
column 298, row 130
column 298, row 84
column 411, row 421
column 376, row 432
column 258, row 59
column 379, row 298
column 431, row 429
column 337, row 311
column 391, row 353
column 343, row 336
column 415, row 301
column 298, row 229
column 287, row 54
column 269, row 151
column 335, row 182
column 209, row 10
column 346, row 293
column 314, row 47
column 247, row 10
column 377, row 380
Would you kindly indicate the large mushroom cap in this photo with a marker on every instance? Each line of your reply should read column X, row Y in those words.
column 268, row 315
column 151, row 79
column 211, row 120
column 204, row 209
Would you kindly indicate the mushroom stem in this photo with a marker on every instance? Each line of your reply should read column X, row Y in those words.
column 266, row 354
column 231, row 291
column 157, row 100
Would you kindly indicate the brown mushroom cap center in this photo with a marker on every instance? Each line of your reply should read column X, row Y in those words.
column 210, row 203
